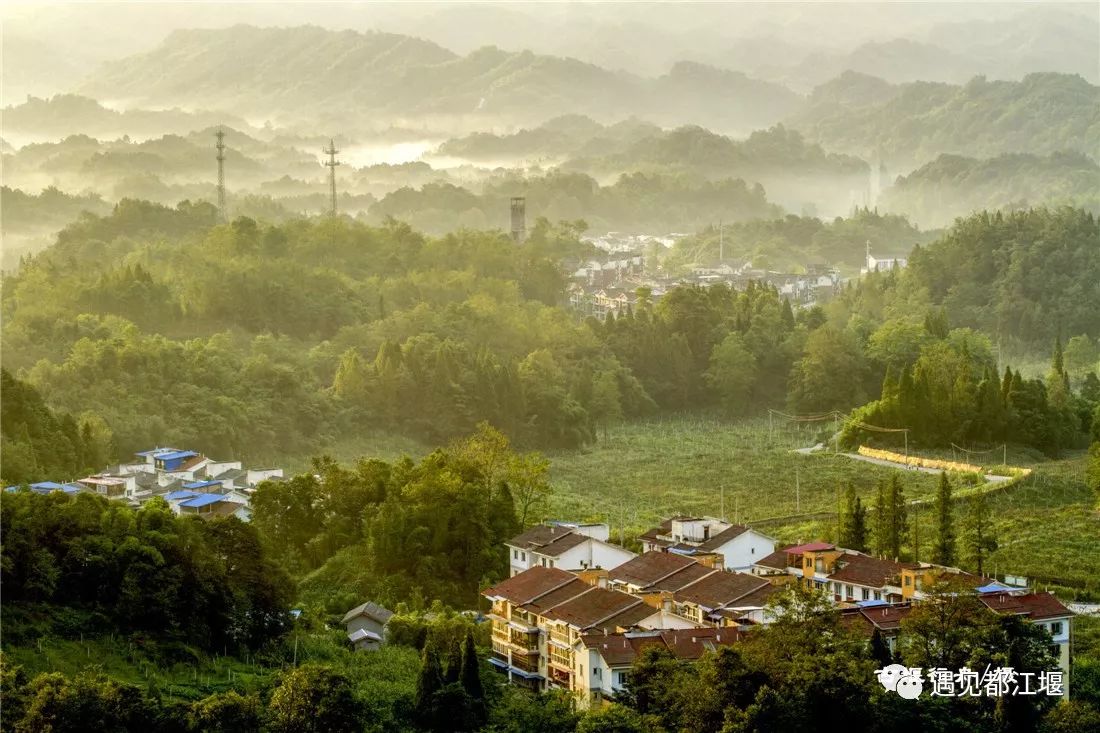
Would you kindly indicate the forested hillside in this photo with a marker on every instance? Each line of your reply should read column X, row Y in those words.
column 953, row 185
column 793, row 242
column 911, row 124
column 266, row 340
column 399, row 76
column 637, row 202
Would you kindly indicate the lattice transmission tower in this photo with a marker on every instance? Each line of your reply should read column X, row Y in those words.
column 331, row 152
column 221, row 172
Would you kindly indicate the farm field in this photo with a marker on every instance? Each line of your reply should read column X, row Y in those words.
column 1048, row 527
column 647, row 470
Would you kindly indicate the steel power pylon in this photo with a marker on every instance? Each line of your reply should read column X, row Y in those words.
column 221, row 173
column 331, row 152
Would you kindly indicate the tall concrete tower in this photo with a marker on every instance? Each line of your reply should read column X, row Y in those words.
column 331, row 152
column 519, row 219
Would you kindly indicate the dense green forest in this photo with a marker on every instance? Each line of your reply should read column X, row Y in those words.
column 909, row 124
column 695, row 149
column 135, row 320
column 565, row 136
column 793, row 242
column 636, row 202
column 953, row 185
column 403, row 77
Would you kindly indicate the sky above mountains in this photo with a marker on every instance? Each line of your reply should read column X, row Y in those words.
column 50, row 47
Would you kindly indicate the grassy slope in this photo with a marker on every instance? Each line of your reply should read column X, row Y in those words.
column 1047, row 527
column 662, row 467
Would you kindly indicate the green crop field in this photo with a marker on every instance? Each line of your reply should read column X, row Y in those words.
column 1048, row 527
column 647, row 470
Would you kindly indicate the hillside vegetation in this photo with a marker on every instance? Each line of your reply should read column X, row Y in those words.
column 952, row 185
column 399, row 76
column 910, row 124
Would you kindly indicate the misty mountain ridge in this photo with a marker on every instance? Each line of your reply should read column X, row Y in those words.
column 320, row 74
column 910, row 124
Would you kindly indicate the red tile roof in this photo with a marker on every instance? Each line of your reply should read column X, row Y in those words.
column 620, row 650
column 719, row 589
column 776, row 560
column 865, row 570
column 811, row 547
column 1033, row 605
column 688, row 575
column 649, row 568
column 529, row 585
column 597, row 608
column 559, row 595
column 886, row 618
column 547, row 539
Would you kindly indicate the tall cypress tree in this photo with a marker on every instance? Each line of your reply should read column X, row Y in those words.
column 943, row 551
column 897, row 518
column 881, row 523
column 470, row 679
column 979, row 536
column 427, row 685
column 853, row 533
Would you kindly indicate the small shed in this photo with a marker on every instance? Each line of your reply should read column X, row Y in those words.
column 366, row 625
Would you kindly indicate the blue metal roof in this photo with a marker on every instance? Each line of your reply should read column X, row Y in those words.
column 202, row 500
column 175, row 455
column 173, row 495
column 47, row 486
column 156, row 452
column 201, row 484
column 871, row 604
column 72, row 489
column 996, row 587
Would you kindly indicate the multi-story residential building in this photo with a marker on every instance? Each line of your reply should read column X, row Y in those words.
column 610, row 656
column 1042, row 609
column 539, row 615
column 565, row 545
column 738, row 546
column 850, row 576
column 725, row 599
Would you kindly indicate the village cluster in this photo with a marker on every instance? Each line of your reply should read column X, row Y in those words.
column 577, row 609
column 190, row 482
column 609, row 285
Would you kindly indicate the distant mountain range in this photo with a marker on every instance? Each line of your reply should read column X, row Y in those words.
column 906, row 125
column 353, row 82
column 315, row 76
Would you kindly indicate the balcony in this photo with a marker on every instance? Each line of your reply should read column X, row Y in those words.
column 524, row 641
column 560, row 635
column 526, row 664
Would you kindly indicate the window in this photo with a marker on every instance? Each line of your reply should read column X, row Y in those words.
column 849, row 593
column 599, row 673
column 878, row 595
column 908, row 579
column 752, row 550
column 866, row 594
column 515, row 554
column 552, row 563
column 523, row 556
column 1056, row 628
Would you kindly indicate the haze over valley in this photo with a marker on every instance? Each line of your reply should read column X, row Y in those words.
column 572, row 367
